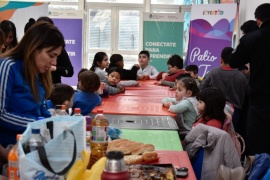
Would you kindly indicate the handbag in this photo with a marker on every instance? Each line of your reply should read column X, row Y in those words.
column 54, row 159
column 225, row 173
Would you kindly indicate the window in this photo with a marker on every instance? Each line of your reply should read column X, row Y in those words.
column 117, row 1
column 175, row 2
column 100, row 29
column 129, row 30
column 114, row 30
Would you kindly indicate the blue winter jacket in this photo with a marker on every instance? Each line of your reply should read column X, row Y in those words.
column 17, row 105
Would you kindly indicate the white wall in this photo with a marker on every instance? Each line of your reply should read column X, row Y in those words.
column 247, row 9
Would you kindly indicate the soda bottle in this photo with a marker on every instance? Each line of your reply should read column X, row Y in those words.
column 63, row 110
column 99, row 138
column 35, row 140
column 77, row 112
column 57, row 110
column 13, row 161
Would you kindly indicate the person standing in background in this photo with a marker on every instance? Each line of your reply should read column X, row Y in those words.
column 9, row 28
column 30, row 22
column 25, row 79
column 63, row 65
column 254, row 49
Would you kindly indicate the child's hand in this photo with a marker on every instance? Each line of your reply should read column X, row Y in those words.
column 143, row 77
column 157, row 82
column 122, row 89
column 137, row 65
column 164, row 75
column 103, row 85
column 167, row 104
column 173, row 88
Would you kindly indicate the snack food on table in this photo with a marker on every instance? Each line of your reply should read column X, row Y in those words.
column 135, row 152
column 145, row 172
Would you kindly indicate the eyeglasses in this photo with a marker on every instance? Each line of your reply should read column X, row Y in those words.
column 169, row 67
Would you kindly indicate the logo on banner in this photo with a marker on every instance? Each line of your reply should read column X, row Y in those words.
column 213, row 12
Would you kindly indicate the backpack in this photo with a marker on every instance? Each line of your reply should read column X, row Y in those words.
column 228, row 127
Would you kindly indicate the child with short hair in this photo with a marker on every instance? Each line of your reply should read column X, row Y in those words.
column 193, row 70
column 112, row 82
column 100, row 63
column 186, row 109
column 87, row 99
column 175, row 66
column 62, row 94
column 211, row 106
column 146, row 71
column 117, row 60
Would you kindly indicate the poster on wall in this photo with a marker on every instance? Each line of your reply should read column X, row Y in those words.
column 70, row 23
column 211, row 29
column 162, row 37
column 18, row 13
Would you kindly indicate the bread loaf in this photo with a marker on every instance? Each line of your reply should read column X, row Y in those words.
column 149, row 156
column 133, row 159
column 142, row 148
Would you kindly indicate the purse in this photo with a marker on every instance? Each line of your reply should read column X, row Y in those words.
column 225, row 173
column 54, row 159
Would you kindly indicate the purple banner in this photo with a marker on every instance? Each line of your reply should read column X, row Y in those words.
column 210, row 32
column 72, row 31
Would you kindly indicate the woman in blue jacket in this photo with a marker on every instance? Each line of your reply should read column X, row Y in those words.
column 25, row 79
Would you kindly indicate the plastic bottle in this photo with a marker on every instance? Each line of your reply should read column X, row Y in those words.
column 99, row 138
column 64, row 112
column 57, row 110
column 88, row 131
column 13, row 161
column 77, row 112
column 35, row 140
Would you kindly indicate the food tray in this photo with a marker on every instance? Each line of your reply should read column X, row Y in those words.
column 148, row 171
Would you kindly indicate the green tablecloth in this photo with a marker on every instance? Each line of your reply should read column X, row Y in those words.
column 161, row 139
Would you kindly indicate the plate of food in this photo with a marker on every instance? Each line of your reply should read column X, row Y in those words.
column 151, row 171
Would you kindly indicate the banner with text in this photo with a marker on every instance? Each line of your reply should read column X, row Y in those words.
column 162, row 37
column 70, row 24
column 211, row 29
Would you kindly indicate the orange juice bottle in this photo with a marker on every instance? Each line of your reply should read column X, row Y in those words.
column 13, row 161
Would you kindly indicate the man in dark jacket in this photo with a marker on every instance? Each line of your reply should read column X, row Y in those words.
column 254, row 48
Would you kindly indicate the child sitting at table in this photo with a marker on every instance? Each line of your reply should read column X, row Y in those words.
column 117, row 60
column 62, row 94
column 112, row 83
column 211, row 106
column 100, row 63
column 87, row 99
column 146, row 71
column 101, row 91
column 175, row 66
column 186, row 109
column 193, row 70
